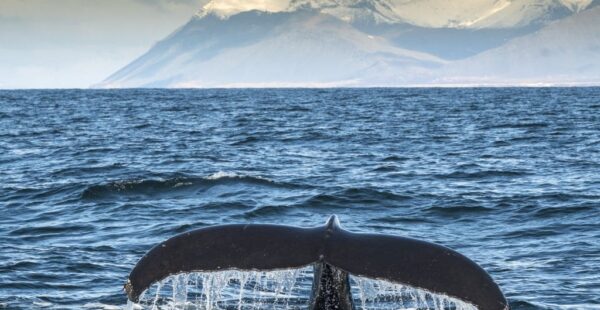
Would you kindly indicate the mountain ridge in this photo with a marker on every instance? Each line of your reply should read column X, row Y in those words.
column 565, row 52
column 269, row 49
column 313, row 48
column 427, row 13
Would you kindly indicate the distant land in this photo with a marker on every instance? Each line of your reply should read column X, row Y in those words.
column 358, row 43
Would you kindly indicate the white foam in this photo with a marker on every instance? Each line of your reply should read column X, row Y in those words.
column 223, row 175
column 282, row 289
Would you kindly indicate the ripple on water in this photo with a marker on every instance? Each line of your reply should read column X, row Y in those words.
column 182, row 185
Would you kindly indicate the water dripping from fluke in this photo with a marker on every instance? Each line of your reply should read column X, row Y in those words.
column 258, row 266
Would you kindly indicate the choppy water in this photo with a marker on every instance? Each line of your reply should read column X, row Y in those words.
column 90, row 180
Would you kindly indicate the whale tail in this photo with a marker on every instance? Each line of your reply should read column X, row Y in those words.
column 334, row 252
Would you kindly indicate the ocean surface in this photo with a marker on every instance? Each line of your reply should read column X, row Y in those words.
column 92, row 179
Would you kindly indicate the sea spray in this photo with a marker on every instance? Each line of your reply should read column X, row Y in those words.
column 380, row 294
column 229, row 290
column 281, row 289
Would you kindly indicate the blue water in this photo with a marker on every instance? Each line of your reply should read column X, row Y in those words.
column 90, row 180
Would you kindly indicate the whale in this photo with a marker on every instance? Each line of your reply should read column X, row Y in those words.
column 333, row 252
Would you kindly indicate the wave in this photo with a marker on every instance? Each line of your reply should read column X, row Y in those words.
column 265, row 211
column 525, row 305
column 394, row 158
column 79, row 267
column 44, row 231
column 518, row 126
column 386, row 168
column 552, row 197
column 246, row 140
column 352, row 197
column 82, row 170
column 356, row 196
column 341, row 199
column 501, row 143
column 403, row 220
column 458, row 210
column 483, row 174
column 183, row 184
column 563, row 211
column 19, row 265
column 538, row 232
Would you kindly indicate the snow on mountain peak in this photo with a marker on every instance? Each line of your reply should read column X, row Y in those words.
column 425, row 13
column 226, row 8
column 576, row 5
column 348, row 10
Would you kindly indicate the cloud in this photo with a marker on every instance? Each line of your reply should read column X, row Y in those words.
column 171, row 2
column 173, row 5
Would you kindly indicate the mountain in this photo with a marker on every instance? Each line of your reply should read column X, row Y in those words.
column 565, row 52
column 347, row 10
column 254, row 48
column 447, row 29
column 474, row 14
column 289, row 43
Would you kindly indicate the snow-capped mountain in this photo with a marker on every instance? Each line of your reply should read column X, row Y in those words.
column 346, row 10
column 253, row 43
column 564, row 52
column 424, row 13
column 254, row 48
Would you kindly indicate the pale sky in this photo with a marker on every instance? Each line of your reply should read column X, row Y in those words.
column 76, row 43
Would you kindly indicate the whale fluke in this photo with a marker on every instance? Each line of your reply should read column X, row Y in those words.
column 334, row 252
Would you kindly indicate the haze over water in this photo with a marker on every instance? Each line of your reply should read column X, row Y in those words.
column 91, row 180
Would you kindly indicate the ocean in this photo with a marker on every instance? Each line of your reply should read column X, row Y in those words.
column 90, row 180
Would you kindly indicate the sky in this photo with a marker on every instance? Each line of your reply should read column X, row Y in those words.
column 77, row 43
